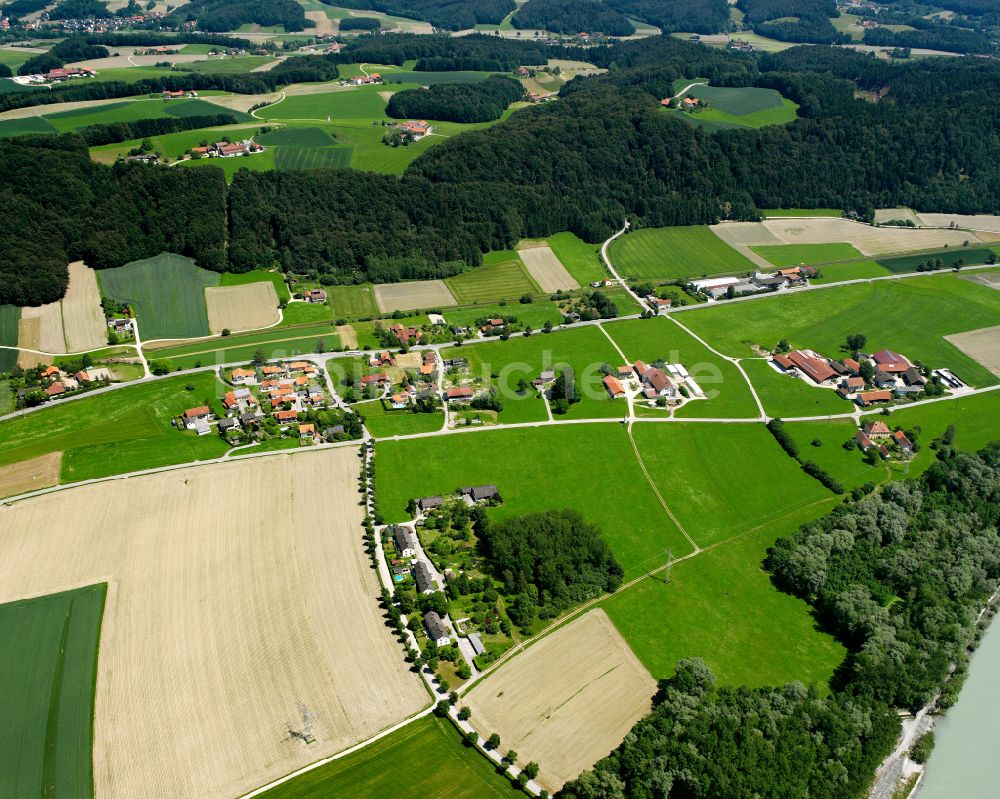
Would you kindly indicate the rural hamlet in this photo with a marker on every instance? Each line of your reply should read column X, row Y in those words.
column 500, row 398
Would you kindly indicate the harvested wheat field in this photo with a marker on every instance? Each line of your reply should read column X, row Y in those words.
column 546, row 269
column 980, row 222
column 883, row 215
column 82, row 316
column 981, row 345
column 868, row 240
column 246, row 307
column 568, row 700
column 348, row 336
column 30, row 475
column 239, row 593
column 411, row 296
column 43, row 327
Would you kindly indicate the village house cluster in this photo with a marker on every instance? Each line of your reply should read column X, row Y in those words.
column 404, row 382
column 663, row 385
column 225, row 149
column 867, row 379
column 46, row 383
column 890, row 444
column 272, row 400
column 720, row 288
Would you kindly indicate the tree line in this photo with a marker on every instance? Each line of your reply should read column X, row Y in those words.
column 899, row 577
column 110, row 132
column 227, row 15
column 572, row 16
column 442, row 53
column 699, row 16
column 809, row 20
column 452, row 15
column 483, row 101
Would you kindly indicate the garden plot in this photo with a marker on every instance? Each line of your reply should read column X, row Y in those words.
column 246, row 307
column 981, row 345
column 546, row 269
column 568, row 700
column 82, row 316
column 239, row 597
column 412, row 296
column 981, row 222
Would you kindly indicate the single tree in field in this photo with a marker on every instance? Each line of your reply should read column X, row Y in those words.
column 856, row 341
column 493, row 742
column 510, row 758
column 531, row 770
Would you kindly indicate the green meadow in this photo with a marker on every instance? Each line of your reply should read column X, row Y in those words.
column 583, row 349
column 501, row 277
column 660, row 338
column 438, row 766
column 121, row 431
column 352, row 302
column 167, row 293
column 909, row 316
column 738, row 107
column 174, row 145
column 589, row 467
column 48, row 670
column 383, row 422
column 582, row 260
column 674, row 252
column 535, row 314
column 723, row 479
column 721, row 606
column 958, row 256
column 783, row 395
column 794, row 254
column 276, row 342
column 304, row 313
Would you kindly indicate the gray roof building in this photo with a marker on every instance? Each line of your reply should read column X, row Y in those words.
column 429, row 503
column 402, row 538
column 479, row 493
column 422, row 576
column 436, row 630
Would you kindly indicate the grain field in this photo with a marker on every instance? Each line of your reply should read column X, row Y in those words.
column 868, row 240
column 568, row 700
column 82, row 316
column 239, row 594
column 546, row 269
column 246, row 307
column 982, row 345
column 979, row 222
column 412, row 296
column 30, row 475
column 49, row 335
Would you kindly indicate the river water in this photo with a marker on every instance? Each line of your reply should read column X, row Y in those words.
column 964, row 764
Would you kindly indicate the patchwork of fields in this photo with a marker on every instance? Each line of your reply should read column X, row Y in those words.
column 203, row 665
column 166, row 292
column 669, row 253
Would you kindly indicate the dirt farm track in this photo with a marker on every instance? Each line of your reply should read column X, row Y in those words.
column 236, row 593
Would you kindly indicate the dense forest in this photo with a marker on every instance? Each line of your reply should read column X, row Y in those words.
column 445, row 53
column 58, row 206
column 572, row 16
column 699, row 16
column 706, row 742
column 900, row 577
column 451, row 15
column 227, row 15
column 457, row 102
column 934, row 37
column 555, row 559
column 605, row 151
column 360, row 24
column 79, row 9
column 794, row 20
column 108, row 132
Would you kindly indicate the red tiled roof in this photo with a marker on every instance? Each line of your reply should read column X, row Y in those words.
column 201, row 410
column 783, row 361
column 458, row 392
column 869, row 397
column 613, row 386
column 813, row 368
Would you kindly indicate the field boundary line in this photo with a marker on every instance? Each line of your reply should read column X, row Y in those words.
column 659, row 496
